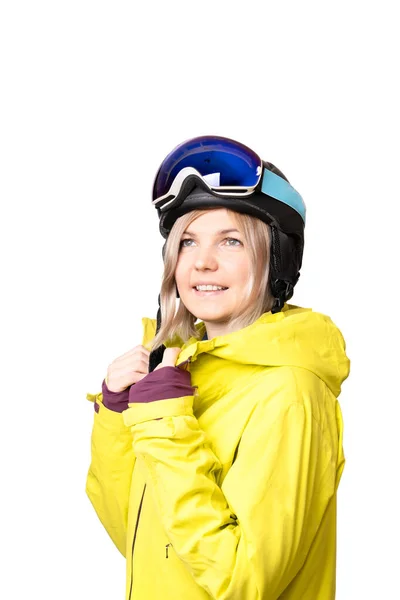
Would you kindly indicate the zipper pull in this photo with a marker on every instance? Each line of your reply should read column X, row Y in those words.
column 166, row 550
column 185, row 364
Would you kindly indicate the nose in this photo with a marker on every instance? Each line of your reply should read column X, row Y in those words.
column 206, row 258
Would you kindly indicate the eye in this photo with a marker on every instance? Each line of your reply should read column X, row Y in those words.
column 233, row 240
column 182, row 243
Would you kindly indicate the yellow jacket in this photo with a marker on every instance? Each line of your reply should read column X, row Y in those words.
column 231, row 495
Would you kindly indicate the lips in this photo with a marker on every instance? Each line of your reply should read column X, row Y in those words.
column 214, row 284
column 206, row 293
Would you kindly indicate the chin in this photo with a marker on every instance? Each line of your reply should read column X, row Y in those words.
column 203, row 312
column 209, row 315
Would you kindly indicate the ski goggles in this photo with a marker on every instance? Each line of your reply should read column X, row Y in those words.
column 226, row 167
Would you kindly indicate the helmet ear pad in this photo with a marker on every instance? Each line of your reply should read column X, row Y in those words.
column 286, row 255
column 285, row 264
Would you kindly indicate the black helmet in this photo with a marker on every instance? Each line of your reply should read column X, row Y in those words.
column 284, row 212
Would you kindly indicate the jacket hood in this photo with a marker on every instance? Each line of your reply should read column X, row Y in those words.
column 296, row 336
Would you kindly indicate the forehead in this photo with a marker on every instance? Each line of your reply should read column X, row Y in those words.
column 212, row 221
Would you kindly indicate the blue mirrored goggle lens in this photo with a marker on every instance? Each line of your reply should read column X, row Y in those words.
column 235, row 164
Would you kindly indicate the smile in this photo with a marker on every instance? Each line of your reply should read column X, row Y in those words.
column 210, row 293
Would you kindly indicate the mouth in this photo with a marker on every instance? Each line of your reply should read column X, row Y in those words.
column 209, row 293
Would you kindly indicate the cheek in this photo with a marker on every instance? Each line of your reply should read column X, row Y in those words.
column 239, row 269
column 181, row 271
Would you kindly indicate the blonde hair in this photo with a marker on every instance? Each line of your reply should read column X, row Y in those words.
column 257, row 299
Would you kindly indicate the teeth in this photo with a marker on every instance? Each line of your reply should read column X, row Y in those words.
column 204, row 288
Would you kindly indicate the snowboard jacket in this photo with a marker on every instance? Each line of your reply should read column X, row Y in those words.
column 218, row 478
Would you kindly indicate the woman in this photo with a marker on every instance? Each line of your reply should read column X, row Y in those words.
column 217, row 445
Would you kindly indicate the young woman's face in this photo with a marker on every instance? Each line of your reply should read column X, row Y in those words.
column 211, row 255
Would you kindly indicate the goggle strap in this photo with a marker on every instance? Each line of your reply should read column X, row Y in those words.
column 280, row 189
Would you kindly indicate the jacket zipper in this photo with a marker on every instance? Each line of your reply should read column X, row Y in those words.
column 134, row 539
column 185, row 364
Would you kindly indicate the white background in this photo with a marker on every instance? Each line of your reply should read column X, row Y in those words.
column 93, row 96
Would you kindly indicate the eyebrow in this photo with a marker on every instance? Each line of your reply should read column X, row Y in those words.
column 220, row 232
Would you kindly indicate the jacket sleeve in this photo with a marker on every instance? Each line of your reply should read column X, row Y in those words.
column 110, row 472
column 249, row 536
column 112, row 460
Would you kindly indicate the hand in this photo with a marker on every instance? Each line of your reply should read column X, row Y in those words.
column 127, row 369
column 169, row 358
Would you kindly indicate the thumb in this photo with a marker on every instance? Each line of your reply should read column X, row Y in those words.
column 169, row 358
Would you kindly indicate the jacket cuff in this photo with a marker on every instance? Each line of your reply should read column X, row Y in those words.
column 161, row 384
column 116, row 401
column 142, row 412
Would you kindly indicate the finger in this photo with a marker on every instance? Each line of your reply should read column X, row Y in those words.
column 136, row 350
column 127, row 375
column 170, row 356
column 125, row 381
column 130, row 360
column 141, row 377
column 141, row 366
